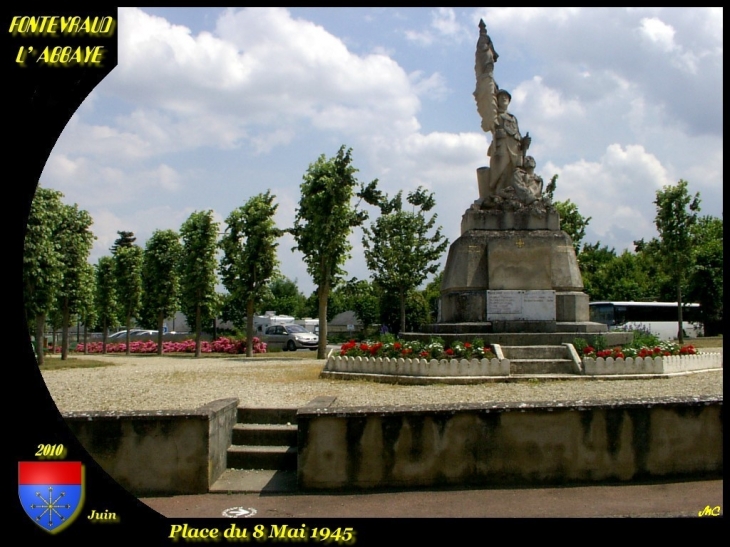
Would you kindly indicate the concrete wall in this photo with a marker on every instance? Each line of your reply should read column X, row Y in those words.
column 159, row 452
column 518, row 444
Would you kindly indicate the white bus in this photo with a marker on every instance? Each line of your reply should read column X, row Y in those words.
column 660, row 318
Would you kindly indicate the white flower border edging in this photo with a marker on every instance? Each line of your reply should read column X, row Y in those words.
column 418, row 367
column 651, row 365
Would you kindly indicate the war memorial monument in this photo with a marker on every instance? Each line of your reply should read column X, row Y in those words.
column 512, row 277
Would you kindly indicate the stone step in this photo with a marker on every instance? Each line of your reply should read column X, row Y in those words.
column 262, row 457
column 542, row 366
column 535, row 352
column 267, row 415
column 265, row 434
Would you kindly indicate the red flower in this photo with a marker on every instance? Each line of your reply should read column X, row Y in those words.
column 424, row 354
column 449, row 351
column 588, row 349
column 397, row 345
column 467, row 345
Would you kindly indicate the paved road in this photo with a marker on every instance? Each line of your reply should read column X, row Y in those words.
column 677, row 499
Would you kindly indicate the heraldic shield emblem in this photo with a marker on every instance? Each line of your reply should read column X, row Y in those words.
column 51, row 493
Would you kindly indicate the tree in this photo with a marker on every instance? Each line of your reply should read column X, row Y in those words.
column 283, row 297
column 572, row 222
column 417, row 312
column 705, row 284
column 128, row 272
column 399, row 251
column 87, row 307
column 106, row 297
column 676, row 217
column 161, row 278
column 75, row 240
column 324, row 220
column 432, row 294
column 249, row 255
column 199, row 300
column 362, row 297
column 125, row 239
column 41, row 262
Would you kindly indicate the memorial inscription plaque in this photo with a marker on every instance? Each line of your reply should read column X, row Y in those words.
column 520, row 305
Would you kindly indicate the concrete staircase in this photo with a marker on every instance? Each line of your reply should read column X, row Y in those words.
column 530, row 360
column 264, row 438
column 263, row 452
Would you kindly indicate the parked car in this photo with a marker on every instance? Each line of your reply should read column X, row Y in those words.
column 122, row 334
column 290, row 337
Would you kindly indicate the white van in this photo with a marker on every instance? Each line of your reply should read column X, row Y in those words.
column 262, row 322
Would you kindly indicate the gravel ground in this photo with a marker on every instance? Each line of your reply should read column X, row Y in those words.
column 170, row 383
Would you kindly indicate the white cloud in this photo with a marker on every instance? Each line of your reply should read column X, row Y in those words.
column 658, row 33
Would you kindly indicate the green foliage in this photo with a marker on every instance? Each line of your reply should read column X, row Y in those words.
column 74, row 239
column 125, row 239
column 416, row 311
column 283, row 297
column 362, row 297
column 42, row 265
column 572, row 222
column 676, row 217
column 249, row 255
column 198, row 299
column 160, row 280
column 705, row 284
column 399, row 251
column 324, row 220
column 128, row 272
column 105, row 296
column 432, row 294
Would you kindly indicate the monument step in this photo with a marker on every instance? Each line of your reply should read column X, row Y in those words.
column 536, row 352
column 267, row 415
column 262, row 457
column 265, row 434
column 542, row 366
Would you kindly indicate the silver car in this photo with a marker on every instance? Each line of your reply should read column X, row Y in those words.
column 290, row 337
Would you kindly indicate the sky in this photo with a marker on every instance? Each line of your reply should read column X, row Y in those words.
column 211, row 106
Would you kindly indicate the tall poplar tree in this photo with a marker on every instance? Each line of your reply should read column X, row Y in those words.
column 42, row 272
column 161, row 278
column 676, row 217
column 128, row 272
column 75, row 240
column 249, row 255
column 105, row 297
column 324, row 220
column 198, row 271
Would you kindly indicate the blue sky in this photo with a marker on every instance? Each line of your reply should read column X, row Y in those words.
column 208, row 107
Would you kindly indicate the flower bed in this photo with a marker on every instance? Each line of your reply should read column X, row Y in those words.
column 664, row 364
column 414, row 349
column 220, row 345
column 414, row 358
column 662, row 349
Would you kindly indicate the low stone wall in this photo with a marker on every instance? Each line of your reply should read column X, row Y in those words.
column 418, row 367
column 159, row 452
column 652, row 365
column 509, row 444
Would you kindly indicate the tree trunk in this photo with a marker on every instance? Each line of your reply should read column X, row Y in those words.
column 249, row 328
column 104, row 334
column 198, row 330
column 323, row 293
column 86, row 339
column 40, row 338
column 160, row 327
column 680, row 333
column 64, row 334
column 402, row 296
column 128, row 336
